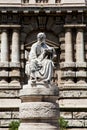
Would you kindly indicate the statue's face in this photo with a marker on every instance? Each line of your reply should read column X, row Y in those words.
column 41, row 37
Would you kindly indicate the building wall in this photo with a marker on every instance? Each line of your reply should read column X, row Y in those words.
column 66, row 31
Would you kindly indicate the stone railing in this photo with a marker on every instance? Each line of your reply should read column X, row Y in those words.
column 40, row 1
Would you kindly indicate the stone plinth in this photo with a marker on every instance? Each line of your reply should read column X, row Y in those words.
column 39, row 110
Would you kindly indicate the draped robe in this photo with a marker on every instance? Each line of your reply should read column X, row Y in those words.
column 39, row 64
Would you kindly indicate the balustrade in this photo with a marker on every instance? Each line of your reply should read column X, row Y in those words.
column 40, row 1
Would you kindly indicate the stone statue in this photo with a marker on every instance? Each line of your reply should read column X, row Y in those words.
column 40, row 65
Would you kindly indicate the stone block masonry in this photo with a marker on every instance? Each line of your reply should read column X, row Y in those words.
column 65, row 24
column 73, row 106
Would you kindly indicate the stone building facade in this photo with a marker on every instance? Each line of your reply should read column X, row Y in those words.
column 65, row 25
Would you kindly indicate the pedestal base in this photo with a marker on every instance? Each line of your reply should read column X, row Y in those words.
column 37, row 126
column 39, row 110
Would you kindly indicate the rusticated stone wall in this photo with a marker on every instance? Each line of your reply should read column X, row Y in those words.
column 66, row 31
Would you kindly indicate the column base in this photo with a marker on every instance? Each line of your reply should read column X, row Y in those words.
column 15, row 64
column 69, row 82
column 14, row 82
column 4, row 64
column 81, row 64
column 81, row 82
column 67, row 65
column 3, row 83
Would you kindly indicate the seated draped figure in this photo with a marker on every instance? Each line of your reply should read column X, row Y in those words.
column 40, row 65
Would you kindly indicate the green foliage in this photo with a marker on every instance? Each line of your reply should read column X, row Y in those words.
column 62, row 123
column 14, row 125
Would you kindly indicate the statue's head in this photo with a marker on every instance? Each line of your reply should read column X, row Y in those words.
column 41, row 37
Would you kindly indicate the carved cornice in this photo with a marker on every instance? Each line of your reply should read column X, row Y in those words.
column 45, row 8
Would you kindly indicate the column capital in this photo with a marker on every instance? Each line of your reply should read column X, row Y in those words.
column 80, row 30
column 16, row 29
column 3, row 29
column 68, row 29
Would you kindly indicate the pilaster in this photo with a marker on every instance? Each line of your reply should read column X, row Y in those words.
column 80, row 60
column 67, row 66
column 15, row 58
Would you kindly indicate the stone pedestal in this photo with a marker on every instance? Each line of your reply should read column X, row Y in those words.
column 39, row 110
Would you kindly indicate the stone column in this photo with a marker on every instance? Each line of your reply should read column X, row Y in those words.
column 4, row 57
column 69, row 64
column 15, row 46
column 80, row 60
column 68, row 46
column 4, row 46
column 79, row 46
column 15, row 58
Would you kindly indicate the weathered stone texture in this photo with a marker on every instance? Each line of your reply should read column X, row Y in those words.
column 10, row 1
column 38, row 110
column 68, row 73
column 76, row 123
column 81, row 74
column 73, row 103
column 76, row 128
column 9, row 93
column 3, row 73
column 9, row 103
column 73, row 93
column 4, row 128
column 6, row 122
column 72, row 1
column 15, row 115
column 37, row 126
column 72, row 97
column 80, row 115
column 14, row 73
column 62, row 56
column 4, row 115
column 62, row 47
column 66, row 114
column 85, row 123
